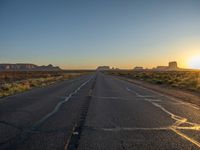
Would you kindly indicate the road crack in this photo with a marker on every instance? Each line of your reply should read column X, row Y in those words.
column 73, row 142
column 179, row 121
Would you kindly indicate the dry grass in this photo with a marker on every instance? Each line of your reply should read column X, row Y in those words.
column 19, row 82
column 187, row 80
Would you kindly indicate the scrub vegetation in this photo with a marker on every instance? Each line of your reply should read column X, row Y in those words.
column 187, row 80
column 15, row 82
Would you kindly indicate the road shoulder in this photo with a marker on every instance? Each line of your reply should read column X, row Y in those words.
column 185, row 96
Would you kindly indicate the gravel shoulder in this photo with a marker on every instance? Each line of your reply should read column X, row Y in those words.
column 186, row 96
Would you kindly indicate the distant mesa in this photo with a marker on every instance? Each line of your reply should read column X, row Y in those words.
column 27, row 67
column 172, row 66
column 101, row 68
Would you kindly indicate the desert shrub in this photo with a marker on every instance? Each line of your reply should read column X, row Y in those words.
column 189, row 80
column 20, row 85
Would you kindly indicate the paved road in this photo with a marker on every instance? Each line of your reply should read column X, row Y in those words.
column 97, row 112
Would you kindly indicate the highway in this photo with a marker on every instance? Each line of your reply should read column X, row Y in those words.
column 97, row 112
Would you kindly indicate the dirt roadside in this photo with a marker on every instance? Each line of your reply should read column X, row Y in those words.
column 186, row 96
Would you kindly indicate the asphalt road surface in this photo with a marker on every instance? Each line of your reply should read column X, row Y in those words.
column 97, row 112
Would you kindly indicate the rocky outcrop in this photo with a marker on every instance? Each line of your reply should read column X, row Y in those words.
column 103, row 68
column 27, row 67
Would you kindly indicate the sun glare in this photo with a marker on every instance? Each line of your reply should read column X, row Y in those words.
column 194, row 62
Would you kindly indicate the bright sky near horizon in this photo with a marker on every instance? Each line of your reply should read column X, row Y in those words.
column 84, row 34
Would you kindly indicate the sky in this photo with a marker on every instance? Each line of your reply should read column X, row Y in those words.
column 83, row 34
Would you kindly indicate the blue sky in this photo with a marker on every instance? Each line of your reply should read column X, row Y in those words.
column 87, row 33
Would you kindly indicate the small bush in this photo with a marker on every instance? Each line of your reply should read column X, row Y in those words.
column 189, row 80
column 23, row 85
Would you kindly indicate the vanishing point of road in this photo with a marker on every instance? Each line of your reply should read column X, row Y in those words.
column 97, row 112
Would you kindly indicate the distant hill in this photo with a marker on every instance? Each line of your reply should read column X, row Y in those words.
column 27, row 67
column 103, row 68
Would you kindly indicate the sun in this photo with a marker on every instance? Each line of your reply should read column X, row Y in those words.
column 194, row 62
